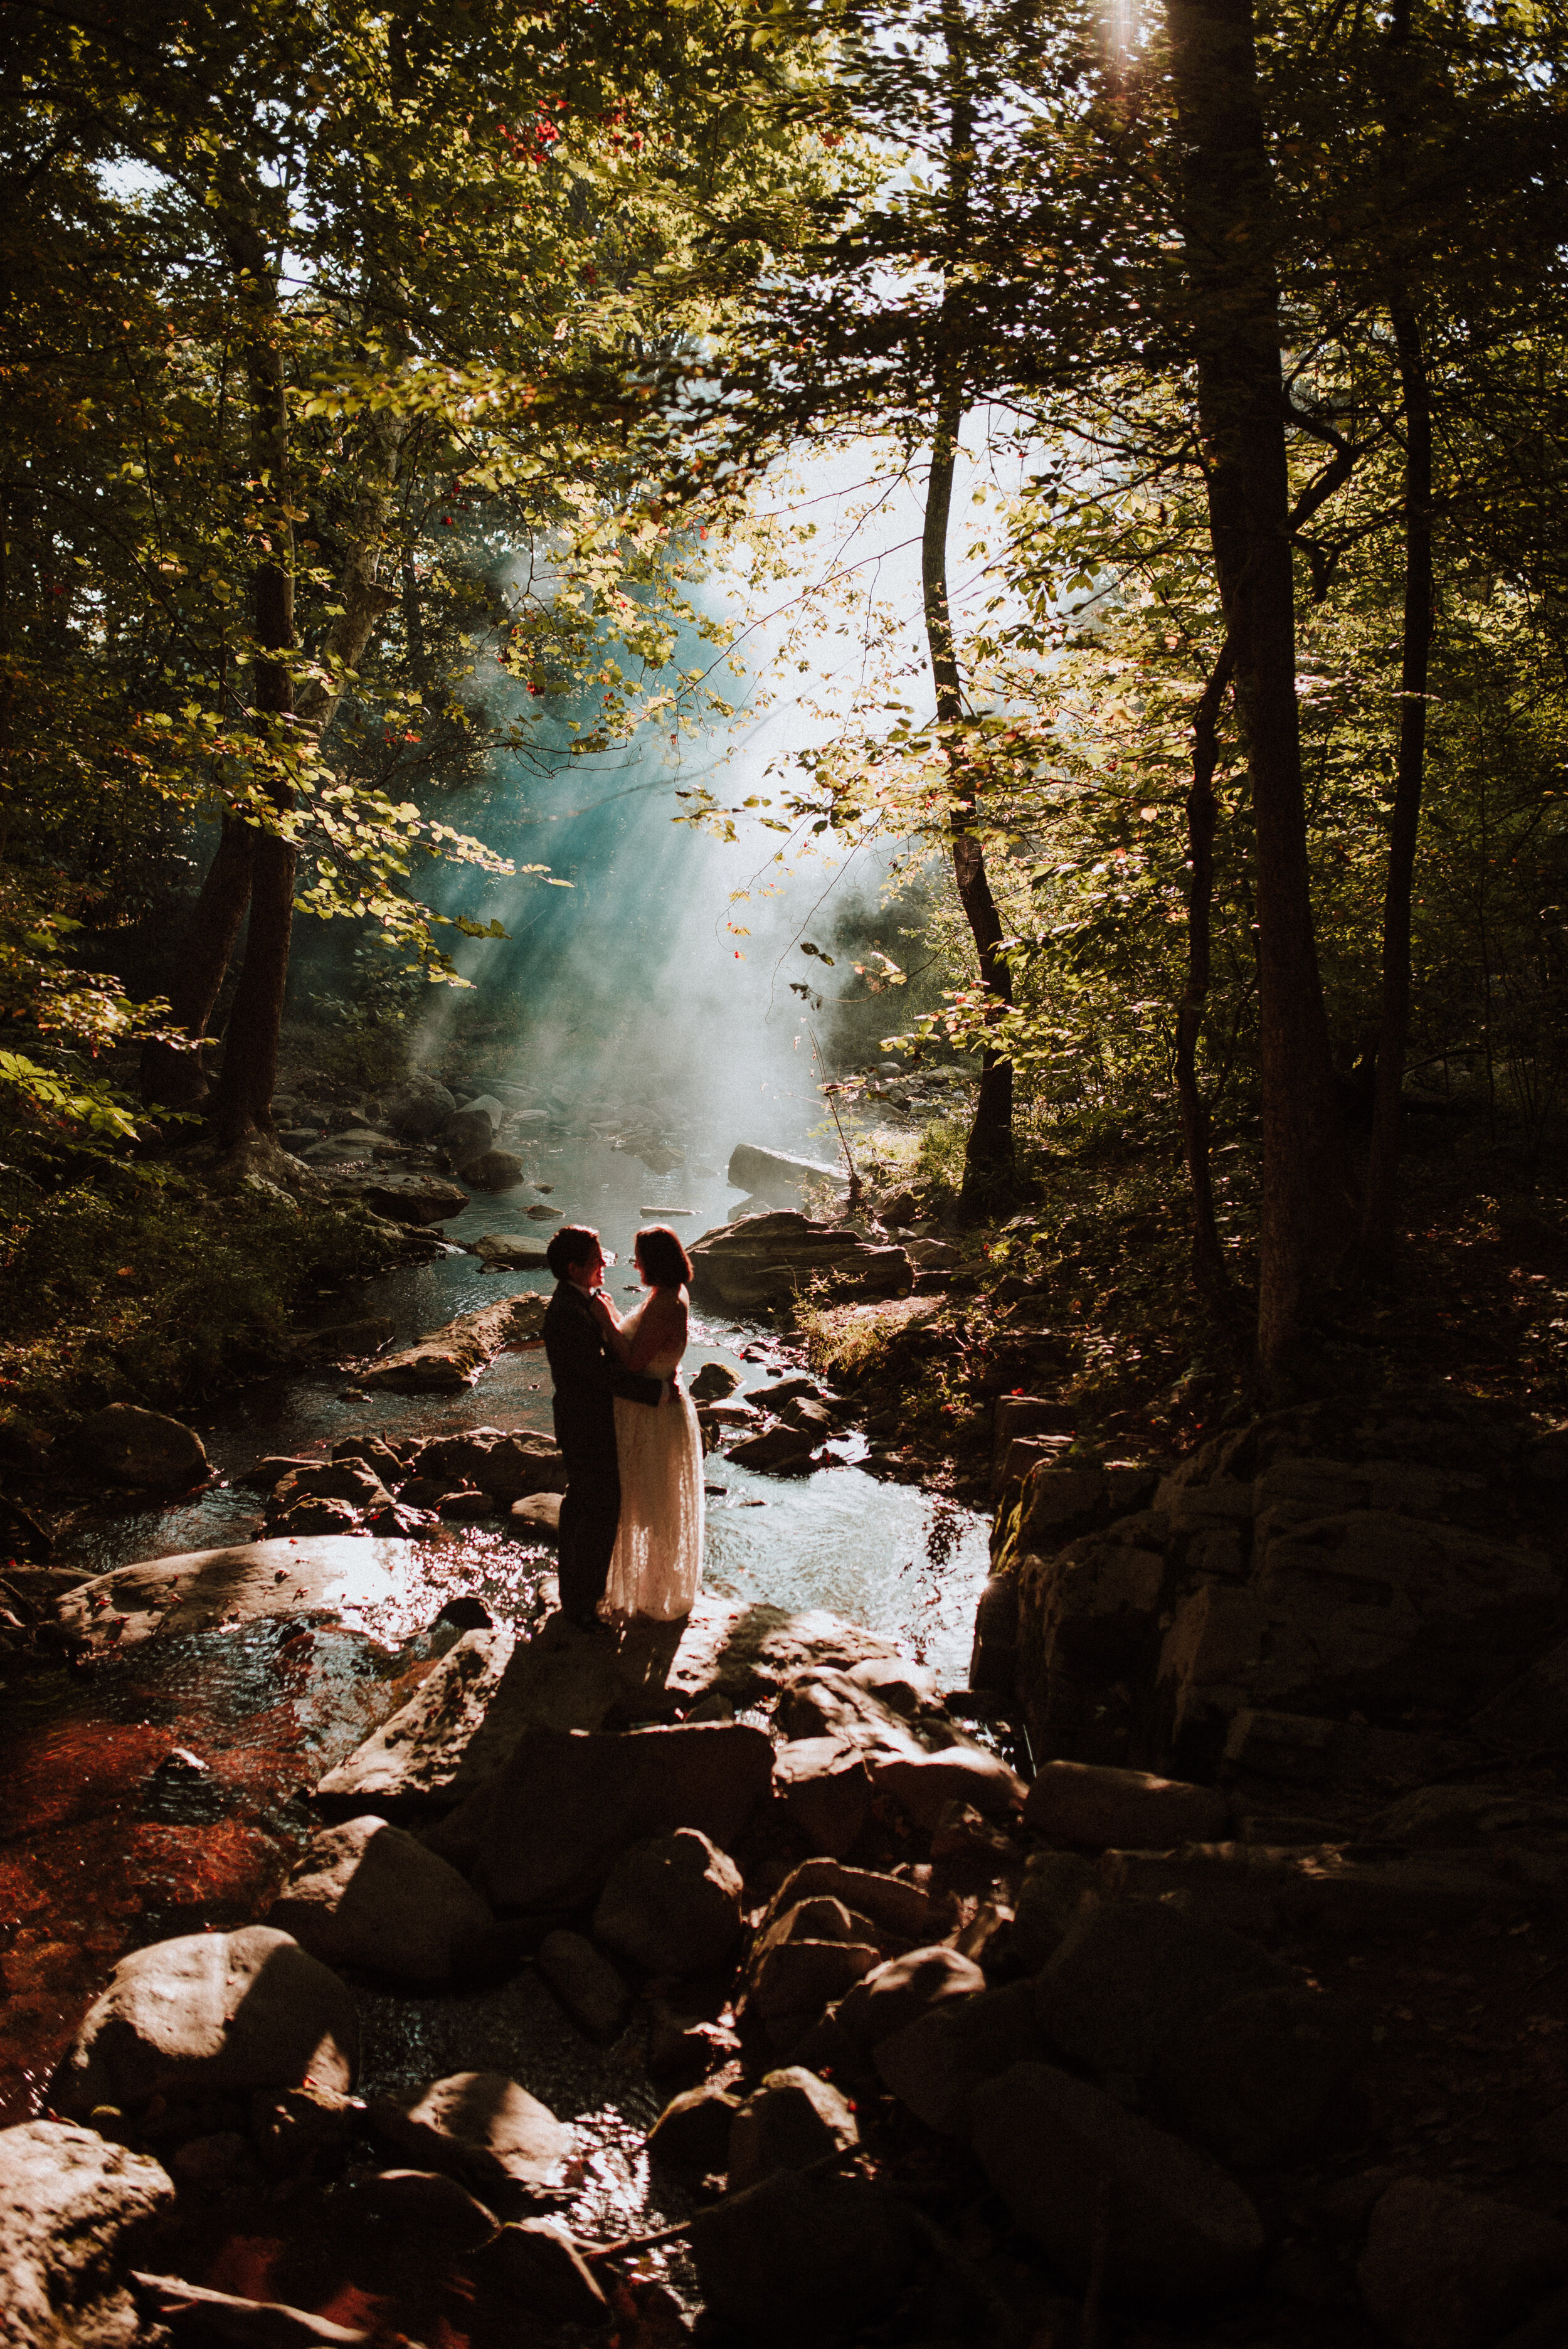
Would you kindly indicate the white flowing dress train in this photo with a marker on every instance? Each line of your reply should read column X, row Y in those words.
column 656, row 1566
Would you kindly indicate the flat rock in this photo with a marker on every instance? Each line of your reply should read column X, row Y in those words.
column 544, row 1831
column 1261, row 1888
column 510, row 1252
column 773, row 1259
column 478, row 2127
column 790, row 2119
column 354, row 1577
column 129, row 1445
column 1179, row 2228
column 752, row 1169
column 454, row 1357
column 671, row 1905
column 562, row 1679
column 410, row 1764
column 1091, row 1805
column 71, row 2207
column 210, row 2011
column 416, row 1199
column 1446, row 2269
column 745, row 1651
column 366, row 1894
column 798, row 2259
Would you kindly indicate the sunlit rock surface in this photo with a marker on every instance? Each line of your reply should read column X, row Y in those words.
column 455, row 1356
column 370, row 1583
column 771, row 1259
column 71, row 2203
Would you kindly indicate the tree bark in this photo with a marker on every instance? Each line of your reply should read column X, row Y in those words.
column 1307, row 1210
column 1209, row 1276
column 177, row 1079
column 988, row 1155
column 250, row 1042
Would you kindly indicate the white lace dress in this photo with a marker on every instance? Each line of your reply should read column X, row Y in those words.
column 656, row 1565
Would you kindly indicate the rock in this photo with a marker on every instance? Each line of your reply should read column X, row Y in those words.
column 538, row 1518
column 270, row 2324
column 211, row 2012
column 751, row 1169
column 209, row 1590
column 1066, row 2160
column 770, row 1260
column 466, row 1135
column 935, row 2064
column 492, row 1169
column 537, row 2263
column 332, row 1480
column 900, row 1911
column 1454, row 1818
column 540, row 1214
column 212, row 2165
column 749, row 1650
column 1264, row 2078
column 800, row 2260
column 585, row 1983
column 923, row 1785
column 1530, row 1711
column 303, row 2131
column 778, row 1451
column 790, row 2121
column 510, row 1252
column 478, row 2127
column 1049, row 1897
column 1132, row 1975
column 672, row 1906
column 892, row 1995
column 1446, row 2269
column 366, row 1894
column 798, row 1981
column 412, row 1760
column 1259, row 1888
column 1549, row 2138
column 455, row 1356
column 714, row 1382
column 934, row 1255
column 129, row 1445
column 272, row 1467
column 72, row 2205
column 402, row 1198
column 692, row 2134
column 419, row 1108
column 426, row 2200
column 1307, row 1751
column 311, row 1516
column 1089, row 1617
column 1086, row 1804
column 827, row 1791
column 545, row 1830
column 512, row 1466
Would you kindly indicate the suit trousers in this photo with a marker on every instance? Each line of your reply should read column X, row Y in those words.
column 590, row 1519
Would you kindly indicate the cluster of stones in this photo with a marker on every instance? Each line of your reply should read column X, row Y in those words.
column 406, row 1485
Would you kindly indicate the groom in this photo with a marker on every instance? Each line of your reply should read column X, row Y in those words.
column 587, row 1378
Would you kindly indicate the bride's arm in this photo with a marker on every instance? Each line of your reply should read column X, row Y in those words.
column 661, row 1331
column 609, row 1321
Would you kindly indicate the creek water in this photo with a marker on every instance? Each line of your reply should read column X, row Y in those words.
column 103, row 1849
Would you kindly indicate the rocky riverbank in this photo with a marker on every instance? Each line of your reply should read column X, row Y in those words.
column 921, row 2033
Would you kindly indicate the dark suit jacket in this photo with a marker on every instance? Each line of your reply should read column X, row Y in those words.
column 587, row 1378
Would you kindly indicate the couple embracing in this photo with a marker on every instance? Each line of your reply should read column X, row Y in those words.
column 631, row 1521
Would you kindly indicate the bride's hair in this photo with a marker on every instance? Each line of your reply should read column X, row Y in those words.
column 662, row 1256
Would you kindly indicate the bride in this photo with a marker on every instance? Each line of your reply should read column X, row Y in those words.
column 657, row 1564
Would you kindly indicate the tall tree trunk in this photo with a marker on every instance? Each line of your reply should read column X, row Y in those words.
column 988, row 1155
column 1208, row 1257
column 175, row 1078
column 250, row 1043
column 1307, row 1210
column 1394, row 1019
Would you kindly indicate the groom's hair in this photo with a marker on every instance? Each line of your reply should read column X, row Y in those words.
column 573, row 1244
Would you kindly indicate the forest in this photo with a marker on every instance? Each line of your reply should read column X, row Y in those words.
column 384, row 393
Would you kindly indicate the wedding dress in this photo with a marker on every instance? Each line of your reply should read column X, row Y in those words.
column 657, row 1564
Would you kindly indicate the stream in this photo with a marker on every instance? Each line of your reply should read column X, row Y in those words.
column 106, row 1845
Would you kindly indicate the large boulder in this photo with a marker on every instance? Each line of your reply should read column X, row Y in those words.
column 892, row 1995
column 492, row 1169
column 672, row 1905
column 772, row 1259
column 544, row 1832
column 481, row 2128
column 411, row 1762
column 366, row 1894
column 510, row 1464
column 1266, row 2077
column 402, row 1198
column 418, row 1108
column 1072, row 2164
column 1132, row 1975
column 1446, row 2269
column 211, row 2012
column 128, row 1446
column 214, row 1589
column 753, row 1169
column 71, row 2206
column 804, row 2259
column 585, row 1984
column 466, row 1133
column 1080, row 1803
column 935, row 2064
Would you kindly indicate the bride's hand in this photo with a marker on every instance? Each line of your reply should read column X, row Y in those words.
column 603, row 1312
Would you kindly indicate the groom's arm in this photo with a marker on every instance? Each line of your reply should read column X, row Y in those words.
column 579, row 1350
